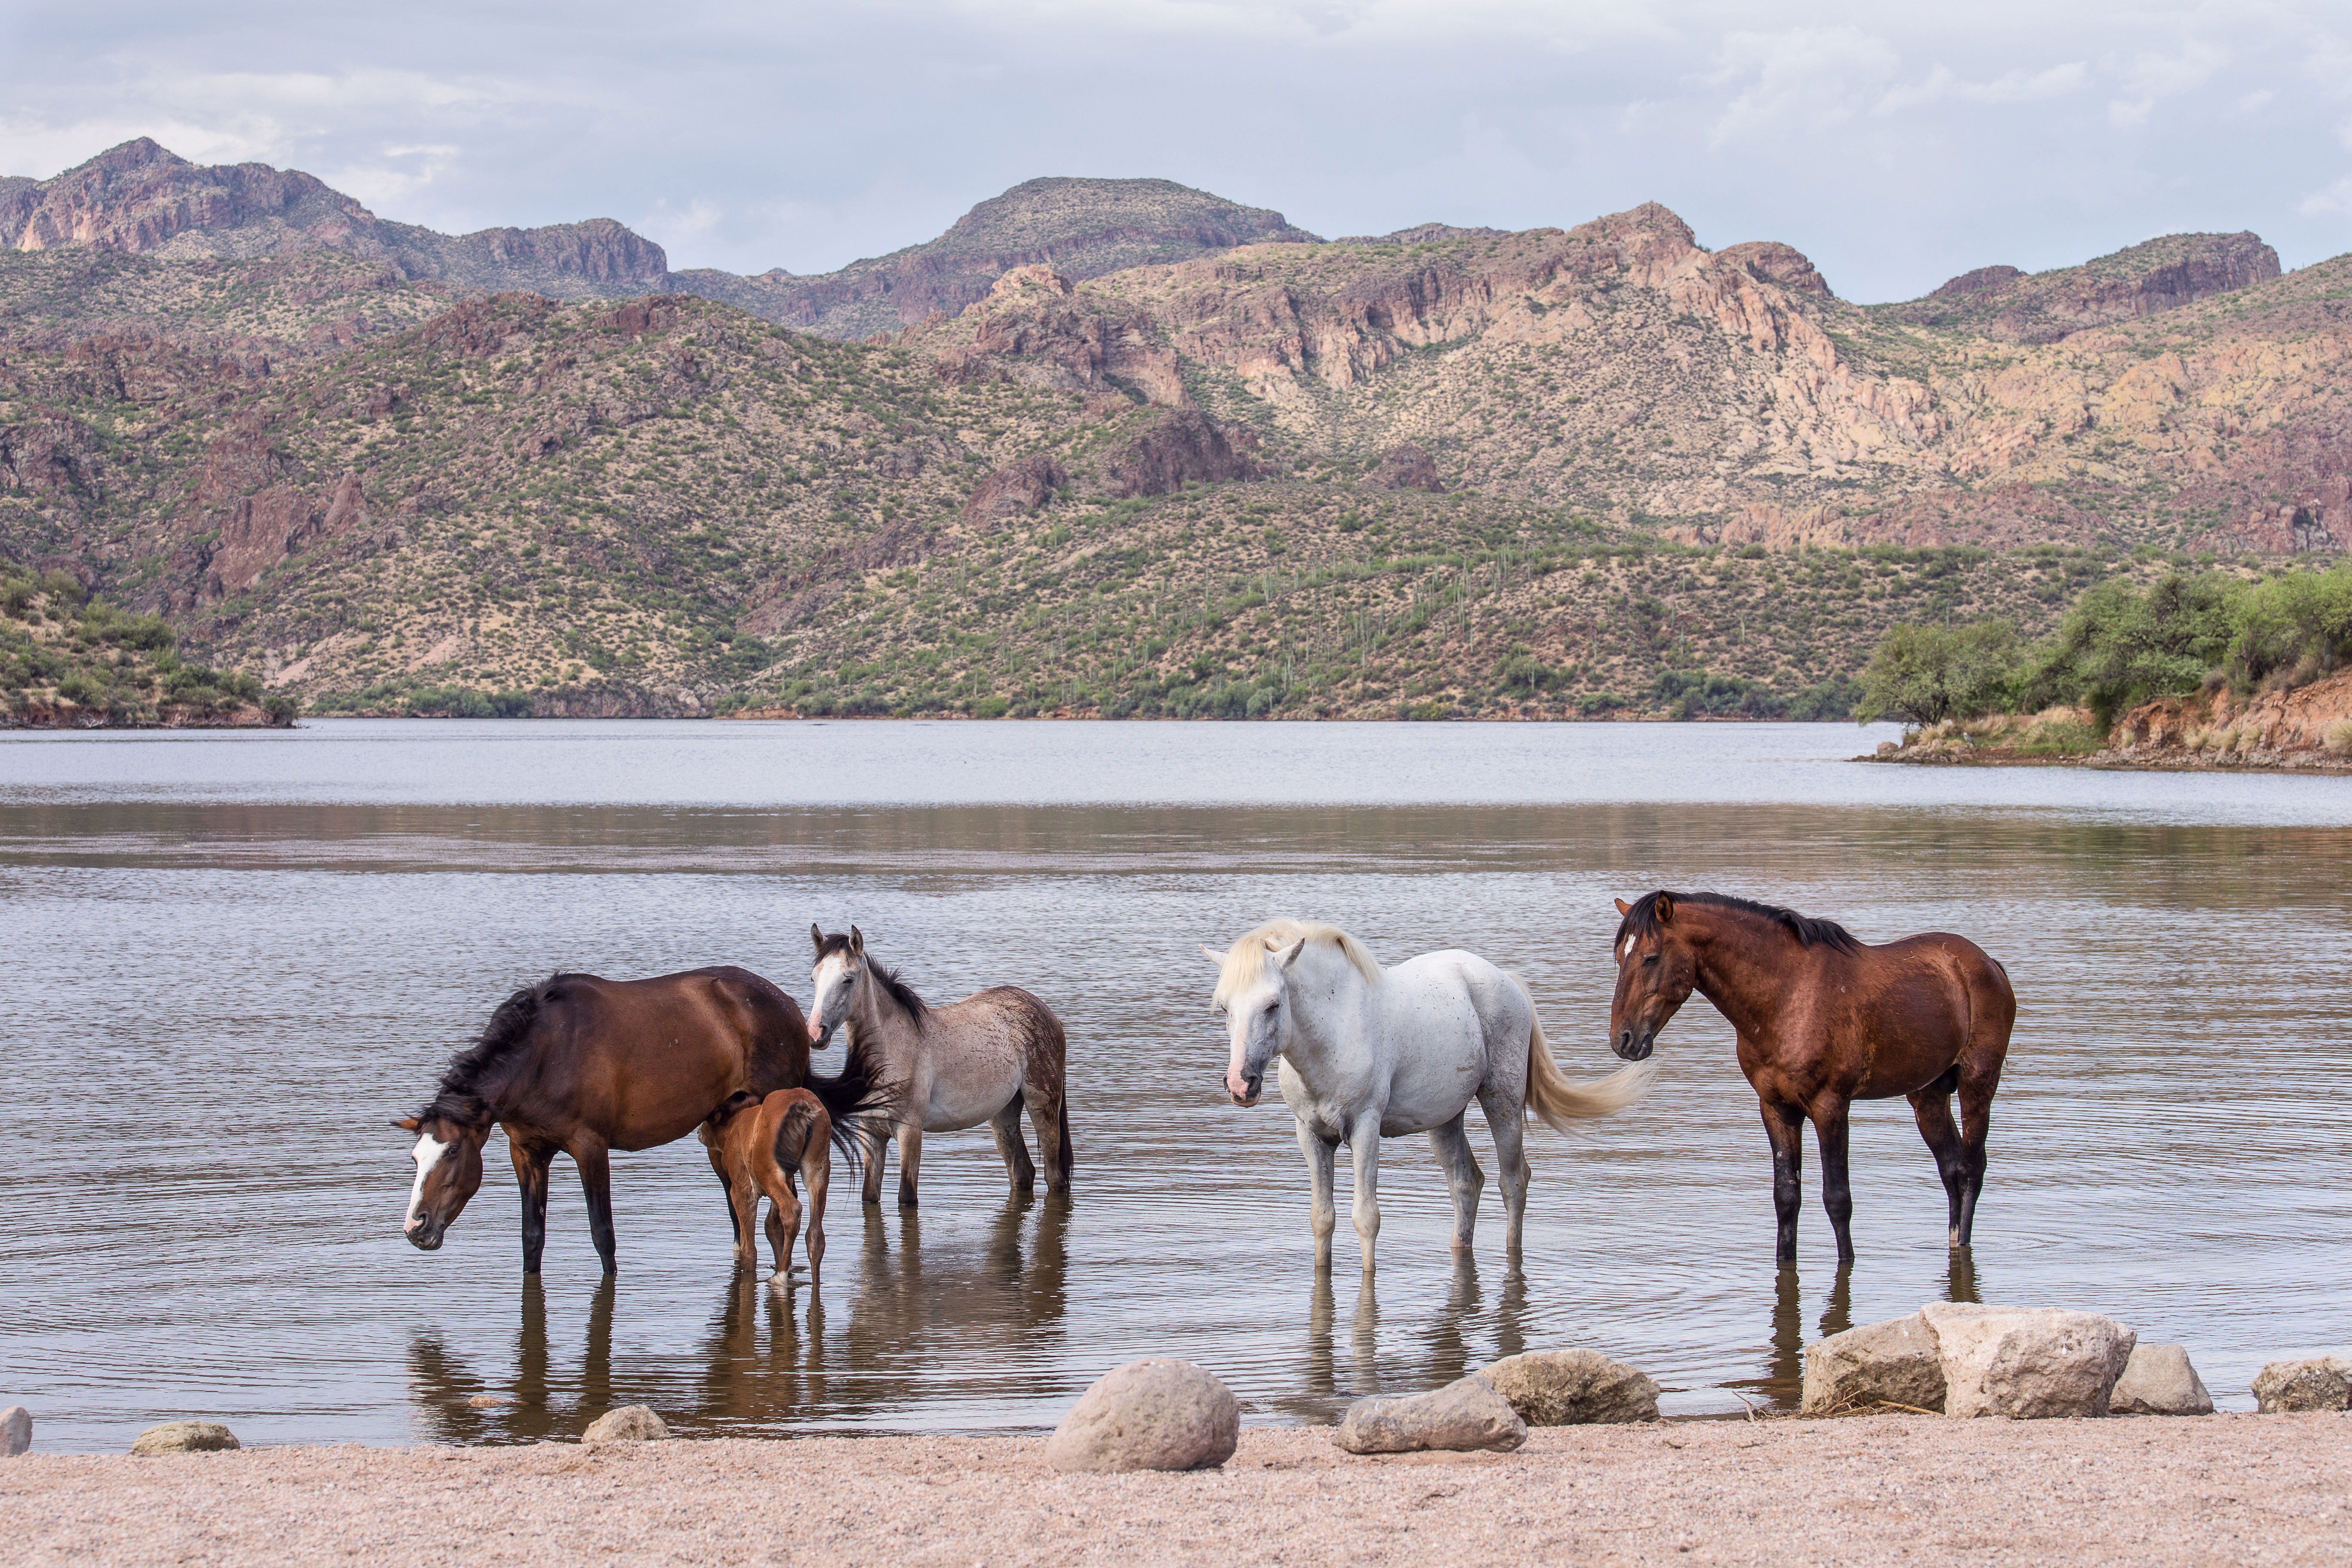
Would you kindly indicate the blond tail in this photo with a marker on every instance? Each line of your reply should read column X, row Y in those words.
column 1559, row 1102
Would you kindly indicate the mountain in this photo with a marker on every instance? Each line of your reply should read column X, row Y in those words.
column 1082, row 229
column 139, row 199
column 1446, row 470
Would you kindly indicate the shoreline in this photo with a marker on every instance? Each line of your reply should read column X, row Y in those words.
column 1867, row 1489
column 2126, row 762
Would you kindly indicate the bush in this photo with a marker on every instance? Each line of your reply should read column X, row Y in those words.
column 1688, row 694
column 1925, row 675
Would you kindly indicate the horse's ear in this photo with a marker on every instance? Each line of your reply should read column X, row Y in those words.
column 1622, row 907
column 1289, row 955
column 816, row 935
column 1665, row 906
column 858, row 941
column 1215, row 957
column 409, row 1123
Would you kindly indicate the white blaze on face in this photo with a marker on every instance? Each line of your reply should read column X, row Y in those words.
column 1628, row 945
column 427, row 1154
column 828, row 975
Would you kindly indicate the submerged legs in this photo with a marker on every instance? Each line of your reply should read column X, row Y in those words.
column 596, row 1182
column 1364, row 1149
column 1837, row 1195
column 1509, row 1125
column 1932, row 1108
column 1322, row 1214
column 1018, row 1169
column 873, row 1142
column 531, row 1173
column 1463, row 1180
column 911, row 1161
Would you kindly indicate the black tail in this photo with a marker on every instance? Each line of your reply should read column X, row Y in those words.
column 792, row 1134
column 1065, row 1120
column 857, row 1091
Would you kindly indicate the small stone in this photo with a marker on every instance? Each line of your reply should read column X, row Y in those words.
column 1896, row 1361
column 2158, row 1381
column 488, row 1401
column 16, row 1431
column 185, row 1437
column 2322, row 1383
column 1156, row 1414
column 2027, row 1364
column 1572, row 1388
column 1465, row 1414
column 629, row 1424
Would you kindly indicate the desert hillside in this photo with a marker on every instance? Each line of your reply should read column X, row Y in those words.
column 1583, row 470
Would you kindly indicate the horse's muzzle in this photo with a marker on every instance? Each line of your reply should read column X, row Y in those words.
column 820, row 1036
column 426, row 1237
column 1255, row 1085
column 1635, row 1044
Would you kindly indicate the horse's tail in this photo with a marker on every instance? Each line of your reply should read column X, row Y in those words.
column 1557, row 1101
column 857, row 1091
column 793, row 1132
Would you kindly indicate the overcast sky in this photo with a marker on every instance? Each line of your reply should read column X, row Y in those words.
column 1896, row 145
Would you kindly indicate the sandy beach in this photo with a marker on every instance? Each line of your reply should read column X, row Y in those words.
column 2221, row 1488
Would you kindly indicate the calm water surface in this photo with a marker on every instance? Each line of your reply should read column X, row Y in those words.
column 230, row 959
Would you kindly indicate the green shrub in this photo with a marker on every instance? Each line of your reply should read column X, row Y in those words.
column 1925, row 675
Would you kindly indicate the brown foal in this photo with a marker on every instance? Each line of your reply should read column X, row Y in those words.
column 1824, row 1020
column 758, row 1145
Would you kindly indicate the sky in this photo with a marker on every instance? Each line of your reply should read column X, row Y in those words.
column 1895, row 145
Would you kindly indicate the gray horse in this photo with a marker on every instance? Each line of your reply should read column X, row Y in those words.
column 979, row 1060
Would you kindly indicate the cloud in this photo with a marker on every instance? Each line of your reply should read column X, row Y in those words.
column 2335, row 200
column 1805, row 78
column 1942, row 85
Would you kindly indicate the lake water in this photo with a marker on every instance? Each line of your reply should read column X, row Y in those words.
column 230, row 959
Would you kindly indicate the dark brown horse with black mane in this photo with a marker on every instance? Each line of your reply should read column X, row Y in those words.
column 1824, row 1020
column 583, row 1066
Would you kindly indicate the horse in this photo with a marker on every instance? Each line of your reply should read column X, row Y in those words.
column 1369, row 1053
column 1823, row 1021
column 583, row 1066
column 759, row 1143
column 979, row 1060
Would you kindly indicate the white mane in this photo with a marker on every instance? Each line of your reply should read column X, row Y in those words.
column 1245, row 959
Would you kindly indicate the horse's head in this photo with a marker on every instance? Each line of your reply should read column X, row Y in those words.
column 448, row 1156
column 1252, row 997
column 1656, row 968
column 833, row 979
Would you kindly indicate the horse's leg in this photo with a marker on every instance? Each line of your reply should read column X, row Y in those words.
column 874, row 1143
column 785, row 1206
column 746, row 1202
column 1053, row 1140
column 911, row 1161
column 596, row 1182
column 1784, row 1125
column 1837, row 1196
column 1364, row 1150
column 1976, row 1121
column 726, row 1188
column 1463, row 1180
column 531, row 1173
column 1931, row 1108
column 816, row 1175
column 1007, row 1125
column 1509, row 1124
column 1322, row 1214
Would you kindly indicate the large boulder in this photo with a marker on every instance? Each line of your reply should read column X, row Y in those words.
column 16, row 1431
column 1572, row 1388
column 2027, row 1362
column 185, row 1437
column 1466, row 1414
column 1156, row 1414
column 2323, row 1383
column 2158, row 1381
column 1894, row 1363
column 629, row 1424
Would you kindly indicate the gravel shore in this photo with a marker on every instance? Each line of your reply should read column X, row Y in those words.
column 2218, row 1488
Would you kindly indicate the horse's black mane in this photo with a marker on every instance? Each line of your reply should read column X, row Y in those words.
column 900, row 991
column 1641, row 920
column 459, row 1098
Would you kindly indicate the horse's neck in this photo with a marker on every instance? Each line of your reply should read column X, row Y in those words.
column 1333, row 1026
column 1743, row 971
column 887, row 1032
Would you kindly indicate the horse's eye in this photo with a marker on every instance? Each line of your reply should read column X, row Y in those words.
column 1649, row 959
column 1272, row 1008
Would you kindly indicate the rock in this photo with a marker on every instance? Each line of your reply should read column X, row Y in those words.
column 629, row 1424
column 2158, row 1381
column 185, row 1437
column 488, row 1401
column 1896, row 1362
column 1010, row 492
column 1177, row 448
column 2027, row 1362
column 2322, row 1383
column 16, row 1431
column 1572, row 1388
column 1156, row 1414
column 1467, row 1413
column 1405, row 467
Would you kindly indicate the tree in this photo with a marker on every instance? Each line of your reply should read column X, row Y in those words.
column 1925, row 675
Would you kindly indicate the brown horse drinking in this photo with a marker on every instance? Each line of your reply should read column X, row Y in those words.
column 1825, row 1021
column 758, row 1145
column 581, row 1066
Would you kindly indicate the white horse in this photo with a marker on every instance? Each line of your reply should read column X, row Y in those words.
column 1369, row 1053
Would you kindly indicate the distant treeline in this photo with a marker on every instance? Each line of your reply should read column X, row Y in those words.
column 66, row 657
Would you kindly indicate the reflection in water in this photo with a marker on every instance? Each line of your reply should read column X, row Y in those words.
column 1451, row 1341
column 1783, row 1381
column 1961, row 1283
